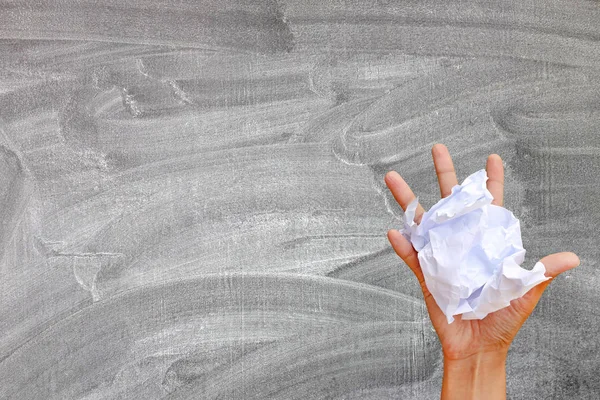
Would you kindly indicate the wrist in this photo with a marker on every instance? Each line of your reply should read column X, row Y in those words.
column 479, row 376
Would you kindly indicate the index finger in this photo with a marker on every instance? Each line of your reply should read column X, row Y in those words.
column 402, row 193
column 495, row 182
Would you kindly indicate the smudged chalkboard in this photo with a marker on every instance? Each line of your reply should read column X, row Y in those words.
column 192, row 196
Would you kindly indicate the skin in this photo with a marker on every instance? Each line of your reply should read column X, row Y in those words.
column 474, row 350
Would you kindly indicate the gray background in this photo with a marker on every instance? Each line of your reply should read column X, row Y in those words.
column 192, row 196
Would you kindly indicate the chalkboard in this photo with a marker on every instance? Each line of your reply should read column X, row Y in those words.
column 192, row 200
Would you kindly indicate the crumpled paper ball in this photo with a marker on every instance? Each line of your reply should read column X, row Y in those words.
column 470, row 251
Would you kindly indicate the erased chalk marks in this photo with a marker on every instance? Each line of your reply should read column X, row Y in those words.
column 196, row 199
column 243, row 25
column 481, row 29
column 16, row 192
column 172, row 319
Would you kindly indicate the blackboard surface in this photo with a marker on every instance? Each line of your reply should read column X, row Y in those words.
column 192, row 196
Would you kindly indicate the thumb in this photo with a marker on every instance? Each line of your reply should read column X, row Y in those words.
column 558, row 263
column 555, row 264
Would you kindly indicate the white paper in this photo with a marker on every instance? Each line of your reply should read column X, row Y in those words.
column 470, row 251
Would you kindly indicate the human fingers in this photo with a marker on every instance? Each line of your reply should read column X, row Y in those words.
column 495, row 182
column 402, row 192
column 407, row 253
column 444, row 168
column 558, row 263
column 555, row 265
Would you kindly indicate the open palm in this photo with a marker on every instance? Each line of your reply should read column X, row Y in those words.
column 494, row 333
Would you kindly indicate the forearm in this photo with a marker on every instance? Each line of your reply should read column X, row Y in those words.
column 481, row 376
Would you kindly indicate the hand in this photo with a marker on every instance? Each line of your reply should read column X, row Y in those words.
column 471, row 340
